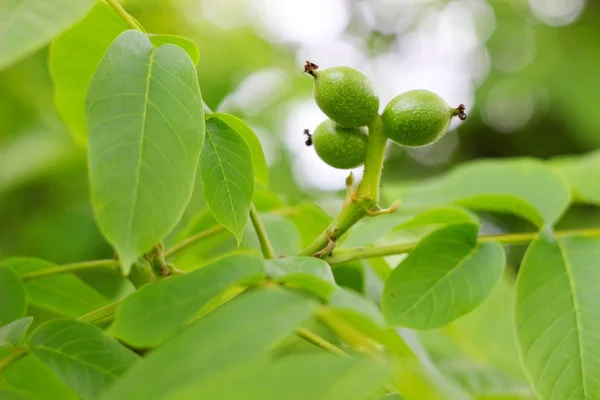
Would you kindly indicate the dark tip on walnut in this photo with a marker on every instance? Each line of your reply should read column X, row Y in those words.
column 308, row 141
column 461, row 112
column 310, row 67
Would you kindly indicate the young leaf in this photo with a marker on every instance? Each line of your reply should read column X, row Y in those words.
column 556, row 316
column 312, row 376
column 190, row 47
column 12, row 295
column 522, row 187
column 227, row 175
column 81, row 355
column 146, row 129
column 156, row 311
column 259, row 164
column 240, row 331
column 45, row 386
column 74, row 56
column 28, row 25
column 65, row 295
column 11, row 334
column 446, row 276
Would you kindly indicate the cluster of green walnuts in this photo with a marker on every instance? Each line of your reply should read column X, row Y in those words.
column 348, row 97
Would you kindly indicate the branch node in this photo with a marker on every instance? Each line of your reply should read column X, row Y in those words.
column 327, row 249
column 382, row 211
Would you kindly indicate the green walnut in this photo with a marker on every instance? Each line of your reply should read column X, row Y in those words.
column 418, row 118
column 345, row 95
column 340, row 147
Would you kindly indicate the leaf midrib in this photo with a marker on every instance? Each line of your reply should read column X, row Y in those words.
column 140, row 149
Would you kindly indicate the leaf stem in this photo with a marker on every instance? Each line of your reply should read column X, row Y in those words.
column 357, row 253
column 362, row 199
column 16, row 354
column 320, row 342
column 265, row 244
column 123, row 14
column 192, row 239
column 74, row 267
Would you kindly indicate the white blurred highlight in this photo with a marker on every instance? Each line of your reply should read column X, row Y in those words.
column 557, row 12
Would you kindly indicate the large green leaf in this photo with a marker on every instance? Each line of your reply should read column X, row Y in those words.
column 157, row 311
column 259, row 164
column 74, row 56
column 146, row 127
column 313, row 376
column 240, row 331
column 557, row 316
column 446, row 276
column 30, row 377
column 12, row 295
column 65, row 295
column 13, row 333
column 27, row 25
column 76, row 53
column 522, row 187
column 227, row 175
column 81, row 355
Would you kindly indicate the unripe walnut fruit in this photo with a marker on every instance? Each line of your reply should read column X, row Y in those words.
column 345, row 95
column 340, row 147
column 418, row 118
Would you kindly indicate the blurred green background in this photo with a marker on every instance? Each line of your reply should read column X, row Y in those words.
column 527, row 70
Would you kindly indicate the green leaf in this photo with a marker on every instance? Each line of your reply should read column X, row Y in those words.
column 28, row 25
column 522, row 187
column 81, row 355
column 300, row 377
column 240, row 331
column 13, row 333
column 227, row 177
column 190, row 47
column 156, row 311
column 12, row 295
column 579, row 174
column 74, row 57
column 259, row 164
column 556, row 316
column 65, row 295
column 45, row 386
column 145, row 120
column 446, row 276
column 309, row 273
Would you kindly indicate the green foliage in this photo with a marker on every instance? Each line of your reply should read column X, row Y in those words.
column 29, row 25
column 523, row 187
column 157, row 311
column 556, row 317
column 447, row 275
column 227, row 175
column 81, row 355
column 246, row 328
column 145, row 120
column 257, row 292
